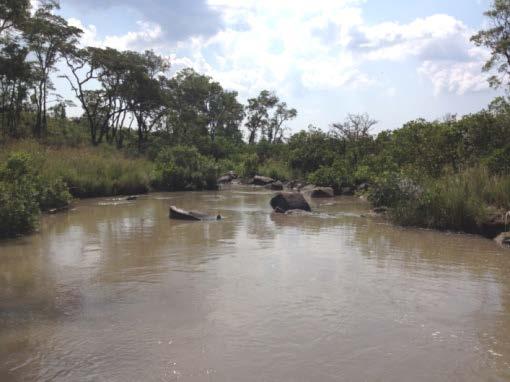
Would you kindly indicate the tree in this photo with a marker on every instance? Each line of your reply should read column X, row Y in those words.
column 47, row 36
column 199, row 106
column 258, row 113
column 15, row 79
column 281, row 115
column 497, row 39
column 266, row 114
column 13, row 13
column 145, row 90
column 105, row 108
column 354, row 128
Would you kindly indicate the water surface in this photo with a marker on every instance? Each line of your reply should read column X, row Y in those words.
column 115, row 291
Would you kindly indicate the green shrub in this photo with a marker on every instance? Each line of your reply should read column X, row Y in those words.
column 19, row 204
column 249, row 165
column 183, row 168
column 53, row 193
column 275, row 169
column 391, row 188
column 335, row 176
column 456, row 201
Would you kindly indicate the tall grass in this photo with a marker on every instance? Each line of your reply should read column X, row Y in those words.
column 89, row 171
column 462, row 201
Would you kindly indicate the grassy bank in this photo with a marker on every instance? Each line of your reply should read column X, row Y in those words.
column 473, row 200
column 35, row 178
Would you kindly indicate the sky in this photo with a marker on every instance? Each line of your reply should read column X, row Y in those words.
column 396, row 60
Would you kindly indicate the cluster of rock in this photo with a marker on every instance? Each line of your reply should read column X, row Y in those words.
column 227, row 178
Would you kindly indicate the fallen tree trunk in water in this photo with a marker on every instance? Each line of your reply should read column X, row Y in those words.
column 180, row 214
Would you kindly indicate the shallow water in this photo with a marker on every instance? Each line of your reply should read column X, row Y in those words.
column 115, row 291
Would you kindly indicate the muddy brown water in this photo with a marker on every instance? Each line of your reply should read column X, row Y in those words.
column 115, row 291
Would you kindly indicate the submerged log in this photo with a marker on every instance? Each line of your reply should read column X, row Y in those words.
column 285, row 201
column 180, row 214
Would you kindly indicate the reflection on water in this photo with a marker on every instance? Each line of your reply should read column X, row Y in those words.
column 117, row 291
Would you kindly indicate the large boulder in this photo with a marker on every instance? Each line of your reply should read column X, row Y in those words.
column 285, row 201
column 322, row 192
column 180, row 214
column 262, row 180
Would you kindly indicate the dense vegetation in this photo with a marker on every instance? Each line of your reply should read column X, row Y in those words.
column 142, row 129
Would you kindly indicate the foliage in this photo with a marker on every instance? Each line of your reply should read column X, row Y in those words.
column 184, row 168
column 19, row 207
column 497, row 39
column 336, row 176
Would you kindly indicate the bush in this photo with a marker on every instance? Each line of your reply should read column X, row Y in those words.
column 249, row 166
column 53, row 193
column 457, row 201
column 19, row 205
column 183, row 168
column 391, row 188
column 276, row 170
column 335, row 176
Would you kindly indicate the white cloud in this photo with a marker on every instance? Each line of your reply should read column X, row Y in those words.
column 324, row 44
column 147, row 34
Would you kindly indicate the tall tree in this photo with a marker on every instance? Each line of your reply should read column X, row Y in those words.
column 497, row 39
column 144, row 92
column 104, row 106
column 13, row 13
column 276, row 128
column 355, row 127
column 258, row 113
column 200, row 106
column 267, row 115
column 48, row 36
column 15, row 80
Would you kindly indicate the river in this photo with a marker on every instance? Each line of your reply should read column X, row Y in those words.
column 116, row 291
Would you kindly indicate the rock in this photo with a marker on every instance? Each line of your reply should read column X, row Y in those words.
column 224, row 179
column 232, row 174
column 380, row 210
column 495, row 223
column 132, row 197
column 262, row 180
column 285, row 201
column 277, row 186
column 347, row 191
column 322, row 192
column 296, row 184
column 503, row 239
column 227, row 178
column 180, row 214
column 363, row 187
column 307, row 187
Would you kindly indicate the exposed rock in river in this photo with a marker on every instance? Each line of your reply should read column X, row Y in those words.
column 276, row 186
column 322, row 192
column 227, row 178
column 180, row 214
column 503, row 239
column 262, row 180
column 285, row 201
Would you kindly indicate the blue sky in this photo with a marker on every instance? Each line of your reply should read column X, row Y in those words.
column 396, row 60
